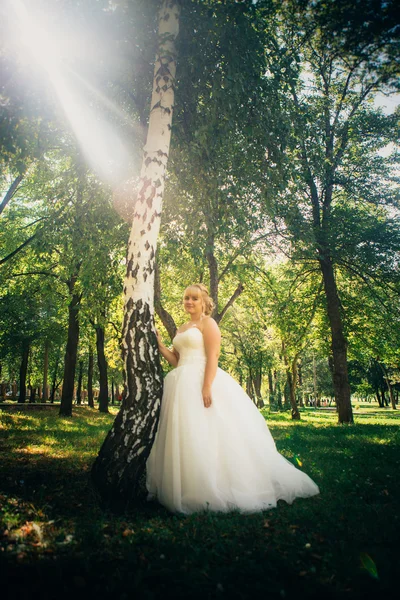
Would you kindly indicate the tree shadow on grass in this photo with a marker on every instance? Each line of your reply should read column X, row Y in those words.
column 318, row 547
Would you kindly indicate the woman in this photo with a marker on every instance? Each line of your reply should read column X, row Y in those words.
column 213, row 449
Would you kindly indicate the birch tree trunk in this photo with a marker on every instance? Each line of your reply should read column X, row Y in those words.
column 122, row 458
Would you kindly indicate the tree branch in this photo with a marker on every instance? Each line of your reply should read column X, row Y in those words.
column 231, row 300
column 44, row 273
column 11, row 191
column 363, row 278
column 166, row 319
column 14, row 252
column 238, row 253
column 307, row 168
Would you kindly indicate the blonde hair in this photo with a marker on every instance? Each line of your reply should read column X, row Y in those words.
column 208, row 302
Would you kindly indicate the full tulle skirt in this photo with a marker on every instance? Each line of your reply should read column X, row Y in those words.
column 220, row 458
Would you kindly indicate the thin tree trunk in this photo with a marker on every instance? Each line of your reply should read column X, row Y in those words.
column 122, row 458
column 291, row 374
column 271, row 388
column 213, row 271
column 339, row 344
column 23, row 373
column 257, row 380
column 301, row 393
column 102, row 364
column 55, row 373
column 385, row 399
column 277, row 391
column 389, row 386
column 230, row 302
column 286, row 394
column 79, row 386
column 291, row 382
column 316, row 394
column 279, row 396
column 90, row 378
column 3, row 387
column 70, row 353
column 249, row 387
column 45, row 372
column 32, row 396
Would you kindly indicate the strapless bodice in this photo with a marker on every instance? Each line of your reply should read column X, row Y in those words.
column 190, row 345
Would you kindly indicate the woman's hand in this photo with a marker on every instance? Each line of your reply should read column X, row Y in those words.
column 159, row 340
column 171, row 356
column 207, row 396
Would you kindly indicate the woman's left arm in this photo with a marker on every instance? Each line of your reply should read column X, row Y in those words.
column 212, row 344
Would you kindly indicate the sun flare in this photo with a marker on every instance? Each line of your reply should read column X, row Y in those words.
column 40, row 43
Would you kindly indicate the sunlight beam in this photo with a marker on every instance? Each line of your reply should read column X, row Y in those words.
column 103, row 148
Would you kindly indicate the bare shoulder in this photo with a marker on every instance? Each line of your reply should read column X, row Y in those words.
column 210, row 326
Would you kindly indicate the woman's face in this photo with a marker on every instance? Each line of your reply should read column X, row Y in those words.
column 192, row 301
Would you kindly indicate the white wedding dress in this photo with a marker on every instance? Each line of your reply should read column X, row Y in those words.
column 220, row 458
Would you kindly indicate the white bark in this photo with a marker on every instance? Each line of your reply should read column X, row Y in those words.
column 146, row 211
column 145, row 206
column 123, row 455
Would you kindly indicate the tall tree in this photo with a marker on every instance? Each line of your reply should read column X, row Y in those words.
column 330, row 126
column 123, row 456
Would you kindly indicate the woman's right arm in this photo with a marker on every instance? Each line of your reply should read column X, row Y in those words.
column 171, row 356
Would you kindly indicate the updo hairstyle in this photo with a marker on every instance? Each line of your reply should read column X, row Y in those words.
column 208, row 302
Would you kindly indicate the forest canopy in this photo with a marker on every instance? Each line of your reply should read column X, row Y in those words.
column 281, row 194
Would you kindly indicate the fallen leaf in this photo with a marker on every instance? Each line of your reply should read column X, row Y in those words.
column 368, row 564
column 127, row 532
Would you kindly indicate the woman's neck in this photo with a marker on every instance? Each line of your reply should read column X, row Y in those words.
column 194, row 318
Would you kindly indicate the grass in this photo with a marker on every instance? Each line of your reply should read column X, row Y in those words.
column 57, row 542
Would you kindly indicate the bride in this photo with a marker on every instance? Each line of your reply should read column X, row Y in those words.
column 213, row 449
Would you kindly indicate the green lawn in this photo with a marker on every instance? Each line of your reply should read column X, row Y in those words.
column 56, row 542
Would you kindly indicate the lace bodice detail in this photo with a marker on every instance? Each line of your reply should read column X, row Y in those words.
column 190, row 345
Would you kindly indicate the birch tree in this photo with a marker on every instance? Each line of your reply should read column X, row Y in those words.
column 123, row 456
